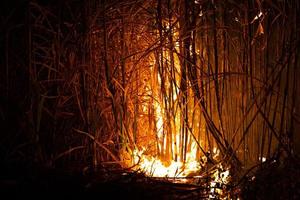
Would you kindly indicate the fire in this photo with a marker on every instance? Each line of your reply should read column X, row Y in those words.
column 171, row 145
column 152, row 166
column 155, row 167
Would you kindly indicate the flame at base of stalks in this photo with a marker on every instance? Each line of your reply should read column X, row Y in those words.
column 154, row 167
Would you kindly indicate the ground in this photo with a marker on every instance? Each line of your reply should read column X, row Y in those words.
column 274, row 180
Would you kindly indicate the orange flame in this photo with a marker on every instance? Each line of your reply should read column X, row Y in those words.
column 155, row 167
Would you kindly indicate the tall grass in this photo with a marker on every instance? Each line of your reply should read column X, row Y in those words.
column 96, row 72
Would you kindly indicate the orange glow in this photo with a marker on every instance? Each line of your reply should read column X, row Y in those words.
column 155, row 167
column 170, row 144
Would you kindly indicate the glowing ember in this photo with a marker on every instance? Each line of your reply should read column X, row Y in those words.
column 221, row 177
